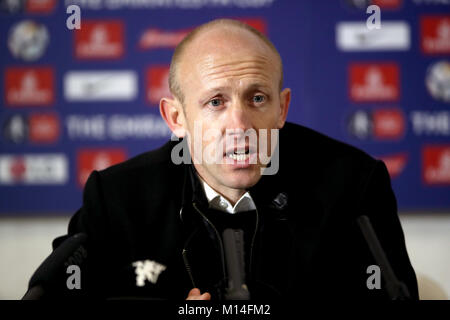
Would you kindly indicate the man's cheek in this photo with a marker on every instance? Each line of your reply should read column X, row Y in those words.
column 212, row 146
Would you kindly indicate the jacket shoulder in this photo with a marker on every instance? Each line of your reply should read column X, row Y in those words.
column 140, row 183
column 317, row 147
column 151, row 160
column 330, row 168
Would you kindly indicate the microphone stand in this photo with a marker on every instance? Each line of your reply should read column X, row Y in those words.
column 396, row 289
column 234, row 252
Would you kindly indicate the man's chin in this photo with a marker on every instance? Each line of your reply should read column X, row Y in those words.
column 242, row 179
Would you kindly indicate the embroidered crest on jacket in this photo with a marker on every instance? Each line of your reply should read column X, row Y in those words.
column 147, row 270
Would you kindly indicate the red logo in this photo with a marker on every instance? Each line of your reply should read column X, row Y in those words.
column 29, row 86
column 40, row 6
column 435, row 34
column 374, row 82
column 395, row 163
column 157, row 84
column 257, row 23
column 94, row 159
column 100, row 40
column 44, row 128
column 436, row 165
column 154, row 38
column 18, row 169
column 388, row 4
column 388, row 124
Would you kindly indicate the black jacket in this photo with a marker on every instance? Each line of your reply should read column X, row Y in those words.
column 306, row 245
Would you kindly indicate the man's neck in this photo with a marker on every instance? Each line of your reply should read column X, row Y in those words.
column 232, row 195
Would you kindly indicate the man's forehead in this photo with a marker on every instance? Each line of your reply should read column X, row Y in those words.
column 225, row 36
column 227, row 65
column 219, row 45
column 222, row 65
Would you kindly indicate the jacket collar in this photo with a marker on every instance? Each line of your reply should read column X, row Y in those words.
column 267, row 192
column 192, row 191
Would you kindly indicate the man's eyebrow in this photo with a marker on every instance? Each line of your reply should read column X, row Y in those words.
column 211, row 91
column 253, row 87
column 215, row 89
column 256, row 86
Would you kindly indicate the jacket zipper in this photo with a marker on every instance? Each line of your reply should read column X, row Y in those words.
column 253, row 241
column 218, row 237
column 184, row 254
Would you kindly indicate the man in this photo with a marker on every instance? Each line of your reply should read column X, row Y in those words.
column 155, row 226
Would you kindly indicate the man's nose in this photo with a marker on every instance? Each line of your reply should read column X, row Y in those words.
column 239, row 117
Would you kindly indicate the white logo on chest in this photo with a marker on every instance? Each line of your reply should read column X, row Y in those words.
column 147, row 270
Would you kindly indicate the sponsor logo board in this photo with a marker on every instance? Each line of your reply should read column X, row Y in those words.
column 100, row 40
column 355, row 36
column 435, row 34
column 374, row 82
column 89, row 160
column 34, row 169
column 436, row 164
column 85, row 86
column 29, row 86
column 379, row 124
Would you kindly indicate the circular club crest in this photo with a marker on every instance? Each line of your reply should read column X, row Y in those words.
column 15, row 129
column 28, row 40
column 438, row 80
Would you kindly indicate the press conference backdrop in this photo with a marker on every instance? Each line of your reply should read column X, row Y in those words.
column 78, row 100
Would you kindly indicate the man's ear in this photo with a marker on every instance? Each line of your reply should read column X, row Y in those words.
column 172, row 112
column 285, row 100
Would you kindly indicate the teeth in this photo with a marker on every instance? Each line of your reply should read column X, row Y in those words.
column 239, row 157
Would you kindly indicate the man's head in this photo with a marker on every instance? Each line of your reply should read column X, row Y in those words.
column 174, row 85
column 226, row 76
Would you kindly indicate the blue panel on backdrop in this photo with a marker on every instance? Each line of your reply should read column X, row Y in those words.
column 78, row 100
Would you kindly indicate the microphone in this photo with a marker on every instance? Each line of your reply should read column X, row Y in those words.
column 234, row 254
column 396, row 289
column 71, row 251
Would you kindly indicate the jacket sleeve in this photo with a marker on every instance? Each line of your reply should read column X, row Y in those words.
column 378, row 202
column 91, row 217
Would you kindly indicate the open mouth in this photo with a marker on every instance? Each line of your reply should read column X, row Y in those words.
column 240, row 154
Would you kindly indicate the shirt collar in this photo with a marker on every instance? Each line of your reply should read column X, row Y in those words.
column 218, row 202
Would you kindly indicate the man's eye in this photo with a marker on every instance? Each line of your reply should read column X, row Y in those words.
column 259, row 98
column 215, row 102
